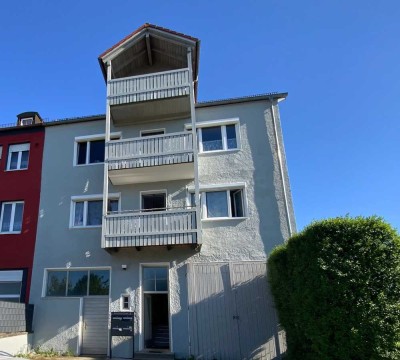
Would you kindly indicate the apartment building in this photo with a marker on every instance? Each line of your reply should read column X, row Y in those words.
column 21, row 149
column 164, row 209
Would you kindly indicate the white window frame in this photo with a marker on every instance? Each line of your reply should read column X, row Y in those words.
column 1, row 151
column 17, row 148
column 122, row 302
column 141, row 300
column 221, row 123
column 87, row 139
column 220, row 187
column 85, row 200
column 11, row 276
column 13, row 203
column 66, row 269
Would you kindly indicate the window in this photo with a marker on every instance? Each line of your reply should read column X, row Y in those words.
column 1, row 151
column 91, row 149
column 77, row 282
column 90, row 152
column 221, row 203
column 18, row 156
column 152, row 132
column 11, row 217
column 156, row 200
column 155, row 279
column 26, row 121
column 217, row 138
column 88, row 212
column 11, row 285
column 125, row 302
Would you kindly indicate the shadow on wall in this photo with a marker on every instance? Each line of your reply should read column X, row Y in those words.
column 268, row 191
column 231, row 312
column 65, row 339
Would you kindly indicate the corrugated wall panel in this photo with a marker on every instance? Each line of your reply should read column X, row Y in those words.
column 213, row 332
column 231, row 312
column 257, row 322
column 95, row 329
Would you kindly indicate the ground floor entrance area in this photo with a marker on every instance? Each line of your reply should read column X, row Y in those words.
column 155, row 310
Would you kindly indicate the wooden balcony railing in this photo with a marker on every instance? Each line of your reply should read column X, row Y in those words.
column 150, row 151
column 152, row 86
column 150, row 228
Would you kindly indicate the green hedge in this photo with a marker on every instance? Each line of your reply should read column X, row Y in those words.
column 337, row 290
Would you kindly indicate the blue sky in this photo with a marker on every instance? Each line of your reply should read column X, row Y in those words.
column 339, row 60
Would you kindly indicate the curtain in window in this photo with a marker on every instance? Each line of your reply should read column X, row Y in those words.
column 78, row 216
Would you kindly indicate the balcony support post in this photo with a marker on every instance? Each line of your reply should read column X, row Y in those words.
column 107, row 139
column 195, row 149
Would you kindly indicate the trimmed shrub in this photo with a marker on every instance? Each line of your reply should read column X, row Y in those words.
column 337, row 290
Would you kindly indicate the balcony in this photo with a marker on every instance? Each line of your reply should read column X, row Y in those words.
column 150, row 228
column 167, row 92
column 151, row 159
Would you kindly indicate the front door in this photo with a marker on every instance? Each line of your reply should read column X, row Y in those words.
column 155, row 310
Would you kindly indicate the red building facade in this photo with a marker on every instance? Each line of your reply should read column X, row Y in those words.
column 21, row 152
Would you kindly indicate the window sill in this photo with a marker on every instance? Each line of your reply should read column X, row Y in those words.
column 12, row 170
column 224, row 218
column 10, row 233
column 217, row 152
column 85, row 227
column 90, row 164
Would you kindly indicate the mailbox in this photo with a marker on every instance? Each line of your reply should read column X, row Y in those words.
column 122, row 324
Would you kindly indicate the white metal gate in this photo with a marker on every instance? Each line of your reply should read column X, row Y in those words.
column 95, row 325
column 231, row 312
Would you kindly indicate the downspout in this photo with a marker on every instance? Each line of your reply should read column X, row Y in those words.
column 282, row 174
column 106, row 141
column 195, row 150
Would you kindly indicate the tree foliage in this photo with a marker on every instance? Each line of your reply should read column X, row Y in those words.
column 337, row 290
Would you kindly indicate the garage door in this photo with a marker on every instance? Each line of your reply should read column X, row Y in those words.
column 231, row 312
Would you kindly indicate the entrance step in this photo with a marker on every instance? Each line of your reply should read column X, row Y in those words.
column 160, row 337
column 154, row 355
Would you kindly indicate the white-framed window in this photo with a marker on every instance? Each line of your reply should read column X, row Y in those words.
column 125, row 302
column 91, row 149
column 26, row 121
column 18, row 157
column 218, row 135
column 77, row 282
column 155, row 278
column 88, row 211
column 1, row 151
column 221, row 202
column 11, row 217
column 11, row 285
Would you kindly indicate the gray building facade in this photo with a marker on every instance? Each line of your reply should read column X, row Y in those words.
column 165, row 208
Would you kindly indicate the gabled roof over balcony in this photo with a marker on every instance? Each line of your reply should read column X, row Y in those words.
column 151, row 49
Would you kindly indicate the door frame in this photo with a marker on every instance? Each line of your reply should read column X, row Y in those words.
column 141, row 303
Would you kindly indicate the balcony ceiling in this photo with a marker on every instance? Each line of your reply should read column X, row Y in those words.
column 151, row 174
column 150, row 49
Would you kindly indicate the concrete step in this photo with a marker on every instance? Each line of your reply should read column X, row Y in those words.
column 154, row 355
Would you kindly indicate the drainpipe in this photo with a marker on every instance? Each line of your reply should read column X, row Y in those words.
column 195, row 150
